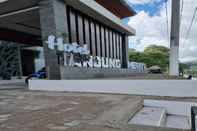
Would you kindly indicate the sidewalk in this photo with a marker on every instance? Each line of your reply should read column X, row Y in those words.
column 12, row 84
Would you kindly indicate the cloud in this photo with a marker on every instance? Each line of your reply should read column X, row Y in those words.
column 153, row 30
column 138, row 2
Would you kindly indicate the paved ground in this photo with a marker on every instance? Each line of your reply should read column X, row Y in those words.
column 23, row 110
column 12, row 84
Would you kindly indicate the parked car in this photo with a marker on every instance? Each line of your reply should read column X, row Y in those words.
column 155, row 70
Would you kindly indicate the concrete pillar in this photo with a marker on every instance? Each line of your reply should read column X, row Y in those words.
column 125, row 49
column 20, row 62
column 174, row 39
column 53, row 20
column 174, row 60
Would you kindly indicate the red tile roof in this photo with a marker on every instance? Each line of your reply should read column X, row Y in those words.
column 118, row 7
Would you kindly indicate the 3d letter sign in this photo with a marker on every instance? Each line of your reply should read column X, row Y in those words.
column 77, row 55
column 66, row 47
column 139, row 67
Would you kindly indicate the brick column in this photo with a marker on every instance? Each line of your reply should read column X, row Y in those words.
column 53, row 20
column 125, row 48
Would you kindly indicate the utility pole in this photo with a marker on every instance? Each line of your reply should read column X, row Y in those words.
column 174, row 39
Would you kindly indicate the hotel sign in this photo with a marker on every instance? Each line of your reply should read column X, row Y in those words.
column 79, row 55
column 138, row 67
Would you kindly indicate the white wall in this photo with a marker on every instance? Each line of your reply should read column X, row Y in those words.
column 176, row 88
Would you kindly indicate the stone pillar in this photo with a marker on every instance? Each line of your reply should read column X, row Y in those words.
column 53, row 20
column 125, row 49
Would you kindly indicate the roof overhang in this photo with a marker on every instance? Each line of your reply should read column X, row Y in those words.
column 19, row 22
column 103, row 15
column 20, row 37
column 17, row 25
column 118, row 7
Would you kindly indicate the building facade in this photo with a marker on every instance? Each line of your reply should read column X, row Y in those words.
column 92, row 24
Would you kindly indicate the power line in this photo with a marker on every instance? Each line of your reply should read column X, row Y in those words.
column 181, row 16
column 182, row 8
column 191, row 24
column 167, row 21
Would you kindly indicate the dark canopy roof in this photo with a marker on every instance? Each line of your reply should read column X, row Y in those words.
column 118, row 7
column 20, row 37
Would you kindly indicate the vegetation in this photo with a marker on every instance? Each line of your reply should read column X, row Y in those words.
column 152, row 55
column 155, row 55
column 192, row 70
column 183, row 68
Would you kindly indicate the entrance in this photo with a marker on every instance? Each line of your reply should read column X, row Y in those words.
column 27, row 60
column 17, row 60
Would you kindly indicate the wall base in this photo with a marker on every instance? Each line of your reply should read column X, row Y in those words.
column 84, row 73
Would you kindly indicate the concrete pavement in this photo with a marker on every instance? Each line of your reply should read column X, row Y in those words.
column 51, row 111
column 12, row 84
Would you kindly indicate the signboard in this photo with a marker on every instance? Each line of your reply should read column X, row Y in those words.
column 79, row 56
column 139, row 67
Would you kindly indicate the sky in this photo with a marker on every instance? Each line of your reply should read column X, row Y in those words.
column 151, row 26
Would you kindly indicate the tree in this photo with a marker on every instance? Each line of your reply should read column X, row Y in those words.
column 152, row 55
column 155, row 48
column 183, row 67
column 135, row 55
